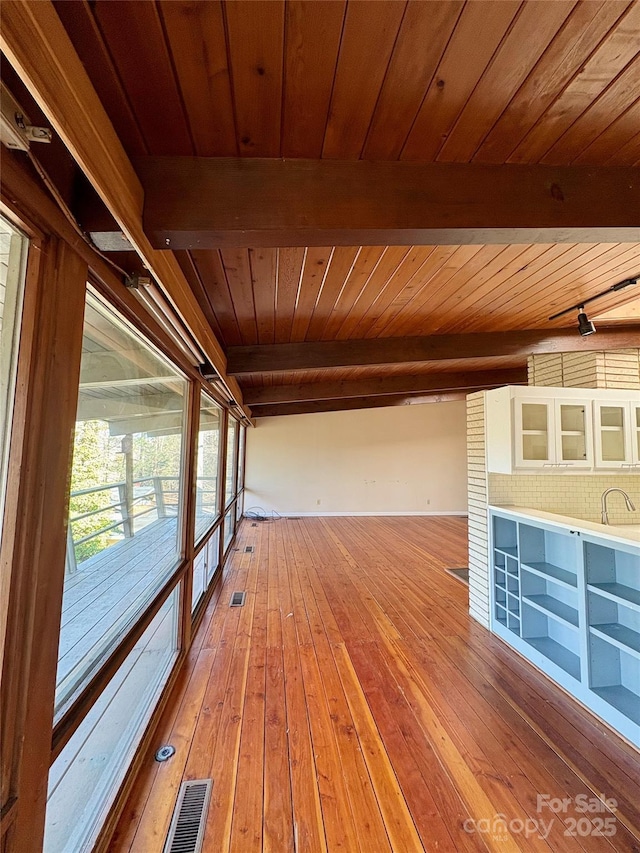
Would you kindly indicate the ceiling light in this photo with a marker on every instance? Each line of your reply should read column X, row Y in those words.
column 580, row 306
column 585, row 326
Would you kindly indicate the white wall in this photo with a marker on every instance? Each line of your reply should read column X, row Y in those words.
column 404, row 459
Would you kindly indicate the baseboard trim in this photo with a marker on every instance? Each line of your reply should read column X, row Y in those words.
column 378, row 513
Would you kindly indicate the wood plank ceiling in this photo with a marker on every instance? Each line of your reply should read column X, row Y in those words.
column 450, row 82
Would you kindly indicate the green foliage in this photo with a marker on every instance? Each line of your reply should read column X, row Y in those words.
column 98, row 461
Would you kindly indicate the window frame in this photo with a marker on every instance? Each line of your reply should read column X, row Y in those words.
column 31, row 211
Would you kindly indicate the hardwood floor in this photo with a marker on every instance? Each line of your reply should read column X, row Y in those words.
column 352, row 705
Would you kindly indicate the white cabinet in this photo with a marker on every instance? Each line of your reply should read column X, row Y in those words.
column 555, row 430
column 552, row 433
column 569, row 601
column 617, row 434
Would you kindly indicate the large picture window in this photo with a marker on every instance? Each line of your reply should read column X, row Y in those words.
column 13, row 250
column 207, row 465
column 85, row 777
column 232, row 455
column 124, row 524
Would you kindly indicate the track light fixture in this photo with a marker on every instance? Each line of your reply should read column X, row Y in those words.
column 583, row 322
column 585, row 326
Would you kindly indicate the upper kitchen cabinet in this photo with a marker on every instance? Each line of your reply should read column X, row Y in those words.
column 552, row 433
column 617, row 434
column 556, row 430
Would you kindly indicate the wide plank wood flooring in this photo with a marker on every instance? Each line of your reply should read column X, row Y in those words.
column 353, row 705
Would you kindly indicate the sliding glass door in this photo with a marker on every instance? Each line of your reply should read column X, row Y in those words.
column 125, row 544
column 124, row 535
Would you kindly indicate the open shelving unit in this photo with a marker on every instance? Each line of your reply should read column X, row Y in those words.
column 613, row 590
column 570, row 602
column 550, row 596
column 507, row 574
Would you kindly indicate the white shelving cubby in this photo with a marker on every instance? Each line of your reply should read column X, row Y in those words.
column 569, row 600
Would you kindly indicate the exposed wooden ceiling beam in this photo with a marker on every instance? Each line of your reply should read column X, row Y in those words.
column 391, row 385
column 207, row 203
column 313, row 406
column 110, row 408
column 320, row 354
column 117, row 382
column 35, row 42
column 147, row 423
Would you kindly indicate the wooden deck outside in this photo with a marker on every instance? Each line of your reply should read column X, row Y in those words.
column 106, row 588
column 352, row 705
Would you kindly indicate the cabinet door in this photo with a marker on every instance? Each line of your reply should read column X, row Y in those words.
column 612, row 434
column 573, row 433
column 534, row 433
column 634, row 433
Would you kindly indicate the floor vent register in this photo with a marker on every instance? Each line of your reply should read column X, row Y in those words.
column 186, row 833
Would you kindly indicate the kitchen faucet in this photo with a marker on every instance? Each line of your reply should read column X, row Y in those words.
column 627, row 500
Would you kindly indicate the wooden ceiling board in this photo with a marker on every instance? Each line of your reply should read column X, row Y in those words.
column 629, row 153
column 418, row 50
column 313, row 32
column 534, row 28
column 462, row 66
column 592, row 80
column 389, row 263
column 443, row 257
column 238, row 274
column 255, row 38
column 290, row 263
column 264, row 273
column 585, row 29
column 527, row 304
column 134, row 35
column 380, row 80
column 476, row 298
column 192, row 275
column 411, row 265
column 342, row 262
column 596, row 119
column 212, row 274
column 82, row 26
column 558, row 299
column 363, row 270
column 504, row 281
column 508, row 275
column 616, row 141
column 425, row 301
column 268, row 295
column 368, row 38
column 195, row 34
column 593, row 272
column 316, row 265
column 472, row 277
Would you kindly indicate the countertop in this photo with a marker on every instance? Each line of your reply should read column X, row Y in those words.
column 615, row 532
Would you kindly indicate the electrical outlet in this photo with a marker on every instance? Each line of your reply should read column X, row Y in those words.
column 318, row 502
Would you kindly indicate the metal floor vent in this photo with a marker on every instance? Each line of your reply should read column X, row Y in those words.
column 186, row 832
column 237, row 599
column 248, row 549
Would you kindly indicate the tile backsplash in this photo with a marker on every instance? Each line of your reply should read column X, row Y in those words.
column 575, row 495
